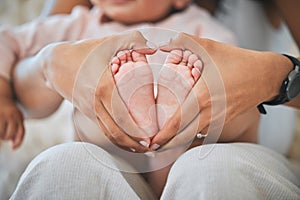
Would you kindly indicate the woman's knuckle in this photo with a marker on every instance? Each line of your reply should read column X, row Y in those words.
column 118, row 119
column 114, row 133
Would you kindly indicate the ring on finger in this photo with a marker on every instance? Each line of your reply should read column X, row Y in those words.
column 200, row 135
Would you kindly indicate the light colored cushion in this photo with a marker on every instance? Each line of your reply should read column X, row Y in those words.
column 294, row 152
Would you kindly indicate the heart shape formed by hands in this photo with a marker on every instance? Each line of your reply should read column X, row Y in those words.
column 134, row 63
column 121, row 97
column 131, row 88
column 135, row 82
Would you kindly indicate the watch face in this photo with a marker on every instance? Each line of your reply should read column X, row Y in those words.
column 293, row 88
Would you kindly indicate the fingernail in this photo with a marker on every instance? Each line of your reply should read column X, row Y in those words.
column 144, row 143
column 164, row 45
column 150, row 154
column 154, row 147
column 151, row 45
column 132, row 149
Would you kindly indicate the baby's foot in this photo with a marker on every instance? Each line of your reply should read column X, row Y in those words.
column 134, row 80
column 179, row 74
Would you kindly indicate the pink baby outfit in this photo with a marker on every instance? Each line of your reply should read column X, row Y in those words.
column 26, row 40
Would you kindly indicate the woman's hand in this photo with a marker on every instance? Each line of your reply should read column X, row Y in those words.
column 87, row 81
column 243, row 75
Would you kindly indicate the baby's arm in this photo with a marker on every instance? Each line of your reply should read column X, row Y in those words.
column 11, row 118
column 19, row 44
column 36, row 99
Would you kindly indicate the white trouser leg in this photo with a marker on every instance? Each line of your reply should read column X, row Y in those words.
column 78, row 171
column 231, row 171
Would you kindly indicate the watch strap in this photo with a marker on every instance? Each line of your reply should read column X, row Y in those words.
column 282, row 97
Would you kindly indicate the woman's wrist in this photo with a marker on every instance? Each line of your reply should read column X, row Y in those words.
column 276, row 70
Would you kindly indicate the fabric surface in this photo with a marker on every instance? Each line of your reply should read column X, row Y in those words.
column 295, row 148
column 79, row 171
column 232, row 171
column 217, row 171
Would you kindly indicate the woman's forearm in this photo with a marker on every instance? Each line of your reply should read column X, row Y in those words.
column 248, row 78
column 41, row 82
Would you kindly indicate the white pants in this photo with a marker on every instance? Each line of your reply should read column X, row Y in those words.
column 228, row 171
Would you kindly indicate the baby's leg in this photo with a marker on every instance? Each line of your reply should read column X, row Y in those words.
column 134, row 80
column 181, row 71
column 177, row 77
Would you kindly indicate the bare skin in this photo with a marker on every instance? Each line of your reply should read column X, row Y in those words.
column 177, row 77
column 181, row 71
column 179, row 74
column 130, row 70
column 239, row 66
column 42, row 101
column 11, row 118
column 134, row 80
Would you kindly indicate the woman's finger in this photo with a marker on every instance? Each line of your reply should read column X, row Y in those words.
column 122, row 142
column 108, row 94
column 184, row 138
column 184, row 115
column 207, row 95
column 95, row 82
column 134, row 40
column 114, row 133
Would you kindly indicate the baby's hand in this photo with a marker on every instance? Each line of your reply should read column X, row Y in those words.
column 11, row 122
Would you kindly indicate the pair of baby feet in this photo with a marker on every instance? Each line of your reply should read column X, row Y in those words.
column 135, row 82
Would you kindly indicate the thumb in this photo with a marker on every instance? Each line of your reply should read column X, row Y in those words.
column 181, row 41
column 136, row 41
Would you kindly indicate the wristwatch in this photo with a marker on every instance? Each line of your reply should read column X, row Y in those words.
column 289, row 89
